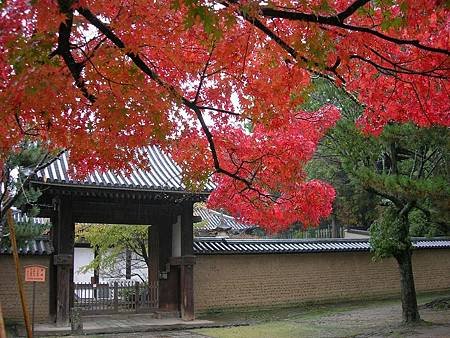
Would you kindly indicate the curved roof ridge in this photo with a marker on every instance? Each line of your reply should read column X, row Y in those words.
column 161, row 175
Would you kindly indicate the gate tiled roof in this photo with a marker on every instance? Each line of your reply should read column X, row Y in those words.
column 165, row 175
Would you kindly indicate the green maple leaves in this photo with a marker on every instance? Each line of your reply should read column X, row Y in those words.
column 199, row 13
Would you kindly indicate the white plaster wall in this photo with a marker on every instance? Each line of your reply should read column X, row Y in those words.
column 82, row 257
column 352, row 235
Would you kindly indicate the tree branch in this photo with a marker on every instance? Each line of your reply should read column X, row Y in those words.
column 397, row 69
column 43, row 163
column 63, row 49
column 203, row 75
column 90, row 17
column 407, row 208
column 337, row 22
column 397, row 202
column 219, row 110
column 96, row 22
column 284, row 45
column 351, row 9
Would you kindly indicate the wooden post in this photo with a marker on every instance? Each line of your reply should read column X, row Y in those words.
column 116, row 297
column 52, row 281
column 168, row 295
column 164, row 242
column 136, row 297
column 187, row 233
column 153, row 249
column 2, row 324
column 12, row 236
column 187, row 263
column 63, row 292
column 187, row 291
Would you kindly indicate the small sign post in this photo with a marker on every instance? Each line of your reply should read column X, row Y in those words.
column 34, row 273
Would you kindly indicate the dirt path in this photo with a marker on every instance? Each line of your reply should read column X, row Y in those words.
column 382, row 321
column 373, row 319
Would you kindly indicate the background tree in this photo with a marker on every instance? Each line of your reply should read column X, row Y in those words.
column 412, row 174
column 18, row 168
column 18, row 165
column 354, row 206
column 111, row 242
column 26, row 228
column 406, row 167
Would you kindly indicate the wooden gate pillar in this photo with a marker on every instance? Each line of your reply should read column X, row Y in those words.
column 187, row 263
column 153, row 248
column 187, row 287
column 63, row 260
column 168, row 283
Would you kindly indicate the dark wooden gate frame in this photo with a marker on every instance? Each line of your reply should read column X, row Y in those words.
column 67, row 204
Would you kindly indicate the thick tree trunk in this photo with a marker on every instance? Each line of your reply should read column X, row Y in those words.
column 410, row 312
column 334, row 227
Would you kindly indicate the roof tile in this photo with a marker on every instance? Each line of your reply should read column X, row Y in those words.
column 165, row 175
column 40, row 246
column 217, row 246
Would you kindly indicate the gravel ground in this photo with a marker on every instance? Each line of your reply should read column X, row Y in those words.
column 372, row 319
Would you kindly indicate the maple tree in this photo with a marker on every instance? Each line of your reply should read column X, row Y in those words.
column 184, row 75
column 104, row 78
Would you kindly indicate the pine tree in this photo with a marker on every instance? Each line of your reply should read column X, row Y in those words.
column 406, row 167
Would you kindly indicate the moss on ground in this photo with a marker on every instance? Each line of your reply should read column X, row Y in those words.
column 355, row 319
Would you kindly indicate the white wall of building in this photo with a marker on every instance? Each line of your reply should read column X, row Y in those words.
column 348, row 234
column 83, row 256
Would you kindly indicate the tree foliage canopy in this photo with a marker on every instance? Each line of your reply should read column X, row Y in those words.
column 405, row 167
column 15, row 192
column 104, row 78
column 111, row 241
column 403, row 164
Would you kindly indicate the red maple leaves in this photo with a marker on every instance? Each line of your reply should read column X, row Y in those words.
column 105, row 78
column 274, row 193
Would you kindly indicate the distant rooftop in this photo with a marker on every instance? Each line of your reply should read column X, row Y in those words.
column 217, row 220
column 22, row 218
column 40, row 246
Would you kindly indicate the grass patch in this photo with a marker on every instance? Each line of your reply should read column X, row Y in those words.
column 265, row 330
